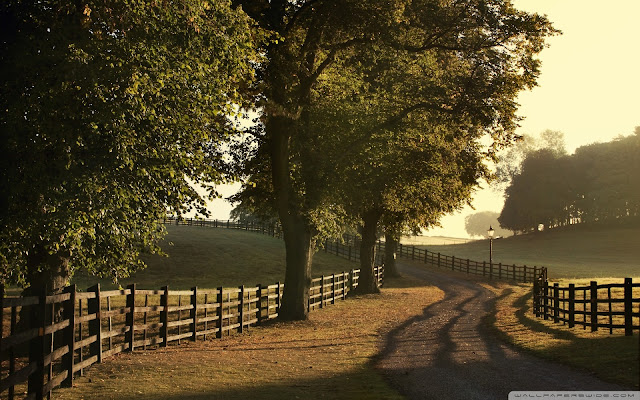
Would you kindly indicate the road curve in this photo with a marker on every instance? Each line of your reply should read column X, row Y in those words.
column 447, row 353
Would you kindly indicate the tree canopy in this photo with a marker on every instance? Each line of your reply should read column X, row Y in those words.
column 599, row 182
column 110, row 111
column 344, row 79
column 477, row 224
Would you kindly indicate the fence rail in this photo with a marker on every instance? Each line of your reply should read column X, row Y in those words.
column 349, row 248
column 66, row 333
column 593, row 306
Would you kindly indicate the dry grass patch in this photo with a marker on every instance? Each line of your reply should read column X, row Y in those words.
column 330, row 355
column 612, row 358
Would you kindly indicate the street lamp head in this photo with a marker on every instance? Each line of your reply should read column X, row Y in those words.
column 490, row 232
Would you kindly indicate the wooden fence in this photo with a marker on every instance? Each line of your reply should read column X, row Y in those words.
column 593, row 306
column 349, row 248
column 66, row 333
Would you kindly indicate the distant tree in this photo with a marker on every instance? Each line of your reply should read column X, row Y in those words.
column 511, row 160
column 539, row 194
column 477, row 224
column 110, row 110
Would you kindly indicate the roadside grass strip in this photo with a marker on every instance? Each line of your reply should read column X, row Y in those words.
column 612, row 358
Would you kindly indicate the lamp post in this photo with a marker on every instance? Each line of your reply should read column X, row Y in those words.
column 490, row 232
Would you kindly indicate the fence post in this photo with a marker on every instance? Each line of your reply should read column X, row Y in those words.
column 545, row 307
column 628, row 304
column 413, row 252
column 333, row 288
column 220, row 301
column 499, row 270
column 131, row 305
column 69, row 314
column 351, row 273
column 556, row 303
column 467, row 266
column 194, row 313
column 426, row 253
column 438, row 260
column 484, row 268
column 536, row 298
column 344, row 286
column 453, row 263
column 278, row 298
column 572, row 305
column 164, row 315
column 259, row 298
column 322, row 292
column 524, row 274
column 594, row 306
column 37, row 347
column 241, row 309
column 514, row 273
column 95, row 326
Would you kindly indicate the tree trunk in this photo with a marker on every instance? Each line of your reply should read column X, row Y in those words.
column 390, row 247
column 295, row 226
column 47, row 274
column 297, row 239
column 367, row 281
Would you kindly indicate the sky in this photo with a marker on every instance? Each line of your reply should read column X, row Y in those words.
column 589, row 87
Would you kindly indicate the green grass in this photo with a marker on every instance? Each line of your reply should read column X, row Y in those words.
column 575, row 252
column 210, row 257
column 613, row 358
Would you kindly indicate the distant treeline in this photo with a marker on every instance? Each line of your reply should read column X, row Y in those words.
column 599, row 182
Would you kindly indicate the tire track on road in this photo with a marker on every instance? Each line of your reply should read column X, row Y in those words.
column 447, row 352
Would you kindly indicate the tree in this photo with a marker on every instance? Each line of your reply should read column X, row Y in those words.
column 510, row 161
column 464, row 63
column 597, row 183
column 110, row 110
column 477, row 224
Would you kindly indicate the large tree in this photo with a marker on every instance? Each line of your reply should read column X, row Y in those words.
column 461, row 64
column 111, row 109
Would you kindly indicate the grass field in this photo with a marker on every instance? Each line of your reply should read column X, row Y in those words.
column 576, row 252
column 210, row 257
column 330, row 355
column 613, row 358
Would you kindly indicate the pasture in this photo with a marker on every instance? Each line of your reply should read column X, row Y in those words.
column 613, row 358
column 209, row 258
column 573, row 252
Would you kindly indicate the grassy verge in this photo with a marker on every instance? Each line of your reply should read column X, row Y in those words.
column 573, row 252
column 612, row 358
column 210, row 257
column 328, row 355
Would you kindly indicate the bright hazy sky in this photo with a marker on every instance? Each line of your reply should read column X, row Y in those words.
column 589, row 87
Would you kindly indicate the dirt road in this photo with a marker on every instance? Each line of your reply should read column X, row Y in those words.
column 447, row 353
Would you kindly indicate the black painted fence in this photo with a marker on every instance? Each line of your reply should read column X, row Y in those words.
column 610, row 306
column 74, row 330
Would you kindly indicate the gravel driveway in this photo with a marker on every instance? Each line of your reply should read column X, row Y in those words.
column 446, row 353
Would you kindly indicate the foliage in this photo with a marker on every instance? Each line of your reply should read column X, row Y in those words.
column 341, row 81
column 510, row 161
column 477, row 224
column 598, row 183
column 111, row 109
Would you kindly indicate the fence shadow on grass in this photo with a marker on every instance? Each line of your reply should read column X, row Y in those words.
column 612, row 358
column 358, row 384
